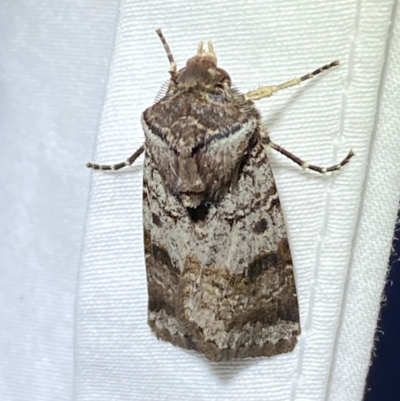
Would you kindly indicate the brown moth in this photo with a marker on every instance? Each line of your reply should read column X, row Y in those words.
column 219, row 267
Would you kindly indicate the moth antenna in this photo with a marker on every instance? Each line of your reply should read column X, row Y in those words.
column 172, row 64
column 266, row 91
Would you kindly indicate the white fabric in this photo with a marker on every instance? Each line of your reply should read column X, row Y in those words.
column 340, row 225
column 54, row 63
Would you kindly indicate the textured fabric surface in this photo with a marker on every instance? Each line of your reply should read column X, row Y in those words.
column 117, row 356
column 56, row 69
column 54, row 64
column 372, row 240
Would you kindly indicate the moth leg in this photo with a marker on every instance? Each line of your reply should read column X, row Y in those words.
column 306, row 165
column 172, row 64
column 117, row 166
column 266, row 91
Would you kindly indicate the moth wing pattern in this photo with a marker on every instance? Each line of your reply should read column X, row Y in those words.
column 219, row 267
column 223, row 286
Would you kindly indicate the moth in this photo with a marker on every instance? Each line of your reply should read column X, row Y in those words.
column 219, row 267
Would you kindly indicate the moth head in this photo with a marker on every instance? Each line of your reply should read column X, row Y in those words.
column 202, row 69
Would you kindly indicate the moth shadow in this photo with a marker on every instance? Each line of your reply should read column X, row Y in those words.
column 227, row 371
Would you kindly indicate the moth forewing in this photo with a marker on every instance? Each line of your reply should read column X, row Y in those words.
column 219, row 268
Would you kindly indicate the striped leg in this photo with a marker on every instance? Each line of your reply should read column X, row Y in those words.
column 306, row 165
column 117, row 166
column 266, row 91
